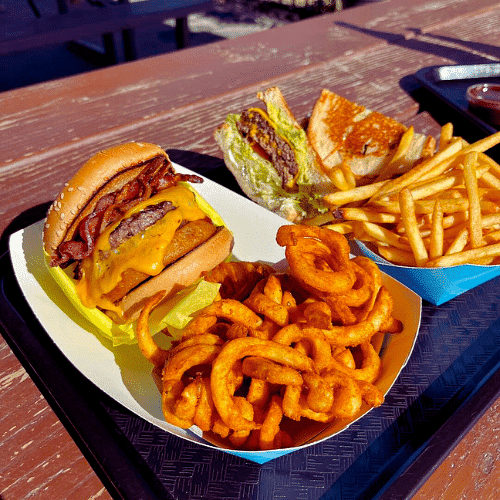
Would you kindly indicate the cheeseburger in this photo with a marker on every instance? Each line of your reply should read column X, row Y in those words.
column 127, row 225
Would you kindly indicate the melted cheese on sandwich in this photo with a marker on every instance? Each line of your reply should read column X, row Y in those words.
column 143, row 252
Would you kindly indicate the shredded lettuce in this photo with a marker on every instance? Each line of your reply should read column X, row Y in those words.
column 262, row 179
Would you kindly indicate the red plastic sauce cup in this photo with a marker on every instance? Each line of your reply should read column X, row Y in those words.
column 484, row 101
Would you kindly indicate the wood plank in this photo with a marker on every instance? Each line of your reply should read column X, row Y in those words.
column 472, row 470
column 39, row 458
column 66, row 110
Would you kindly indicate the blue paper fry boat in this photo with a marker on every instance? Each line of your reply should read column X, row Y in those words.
column 436, row 285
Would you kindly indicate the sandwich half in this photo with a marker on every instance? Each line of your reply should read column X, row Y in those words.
column 345, row 133
column 272, row 160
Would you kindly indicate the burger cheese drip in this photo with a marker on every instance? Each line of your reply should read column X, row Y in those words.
column 157, row 174
column 155, row 219
column 256, row 127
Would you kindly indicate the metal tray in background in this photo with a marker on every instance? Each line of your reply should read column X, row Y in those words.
column 451, row 378
column 453, row 92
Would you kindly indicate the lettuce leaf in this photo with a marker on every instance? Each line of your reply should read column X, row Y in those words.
column 259, row 179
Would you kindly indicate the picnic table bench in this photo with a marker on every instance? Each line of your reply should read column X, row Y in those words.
column 115, row 22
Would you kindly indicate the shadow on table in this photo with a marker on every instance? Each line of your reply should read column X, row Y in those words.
column 431, row 45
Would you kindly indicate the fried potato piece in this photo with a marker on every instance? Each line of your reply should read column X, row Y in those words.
column 237, row 279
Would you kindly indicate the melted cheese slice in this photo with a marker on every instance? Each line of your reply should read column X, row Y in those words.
column 144, row 252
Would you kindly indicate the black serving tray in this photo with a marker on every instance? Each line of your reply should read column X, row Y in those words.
column 451, row 378
column 453, row 92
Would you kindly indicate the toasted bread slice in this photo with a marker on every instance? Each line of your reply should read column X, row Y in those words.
column 342, row 131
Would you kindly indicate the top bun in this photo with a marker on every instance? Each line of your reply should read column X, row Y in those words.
column 107, row 171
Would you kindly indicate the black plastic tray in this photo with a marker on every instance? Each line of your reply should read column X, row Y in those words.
column 453, row 92
column 450, row 380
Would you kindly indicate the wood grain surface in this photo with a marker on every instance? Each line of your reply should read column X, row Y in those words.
column 368, row 54
column 38, row 457
column 472, row 470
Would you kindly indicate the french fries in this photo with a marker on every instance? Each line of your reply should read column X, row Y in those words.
column 412, row 230
column 437, row 232
column 399, row 155
column 442, row 212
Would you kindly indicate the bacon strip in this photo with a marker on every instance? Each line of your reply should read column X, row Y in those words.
column 157, row 175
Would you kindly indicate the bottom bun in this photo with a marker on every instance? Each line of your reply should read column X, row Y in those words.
column 180, row 274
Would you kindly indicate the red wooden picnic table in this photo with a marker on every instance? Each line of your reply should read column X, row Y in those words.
column 369, row 54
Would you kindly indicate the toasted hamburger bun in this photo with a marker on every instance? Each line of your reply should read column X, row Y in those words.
column 271, row 158
column 128, row 226
column 342, row 131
